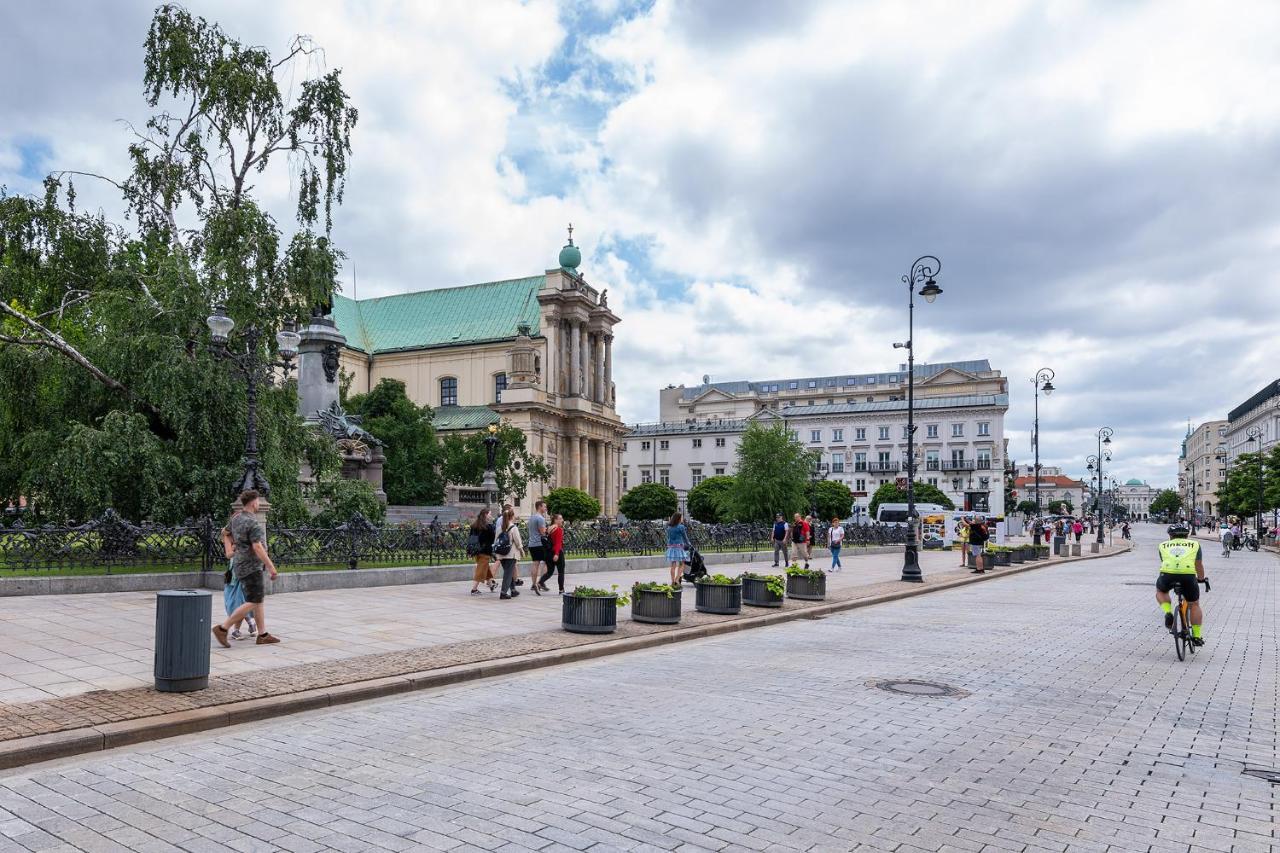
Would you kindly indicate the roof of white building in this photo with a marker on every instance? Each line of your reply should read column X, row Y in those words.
column 886, row 377
column 924, row 403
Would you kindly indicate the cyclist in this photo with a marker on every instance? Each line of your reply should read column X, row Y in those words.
column 1181, row 566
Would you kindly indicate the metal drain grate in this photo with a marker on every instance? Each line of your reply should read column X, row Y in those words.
column 915, row 687
column 1265, row 773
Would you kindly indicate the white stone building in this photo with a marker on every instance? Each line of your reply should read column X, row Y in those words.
column 1136, row 497
column 1260, row 412
column 1201, row 467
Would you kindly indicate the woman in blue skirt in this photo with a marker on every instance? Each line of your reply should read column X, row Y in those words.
column 677, row 543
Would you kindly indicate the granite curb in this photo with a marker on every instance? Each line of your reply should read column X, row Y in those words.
column 34, row 749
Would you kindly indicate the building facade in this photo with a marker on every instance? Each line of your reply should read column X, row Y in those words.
column 1054, row 487
column 959, row 435
column 535, row 351
column 1136, row 497
column 1260, row 414
column 1202, row 467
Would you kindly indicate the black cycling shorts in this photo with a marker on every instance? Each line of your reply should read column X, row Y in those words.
column 1186, row 584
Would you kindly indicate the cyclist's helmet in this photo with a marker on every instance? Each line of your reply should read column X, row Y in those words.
column 1178, row 530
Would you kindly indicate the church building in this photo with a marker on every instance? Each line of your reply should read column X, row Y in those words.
column 534, row 351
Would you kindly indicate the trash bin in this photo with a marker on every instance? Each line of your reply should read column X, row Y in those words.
column 1058, row 542
column 183, row 623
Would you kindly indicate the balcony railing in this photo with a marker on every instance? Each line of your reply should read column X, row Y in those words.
column 958, row 465
column 884, row 467
column 932, row 464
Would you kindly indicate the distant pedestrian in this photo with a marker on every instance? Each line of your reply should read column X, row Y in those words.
column 554, row 548
column 677, row 545
column 508, row 547
column 835, row 539
column 250, row 540
column 1225, row 535
column 232, row 590
column 781, row 536
column 537, row 546
column 978, row 544
column 480, row 546
column 1077, row 528
column 800, row 531
column 962, row 536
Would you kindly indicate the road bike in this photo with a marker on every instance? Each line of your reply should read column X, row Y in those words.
column 1181, row 629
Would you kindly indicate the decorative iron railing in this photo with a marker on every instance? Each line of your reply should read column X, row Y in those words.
column 111, row 544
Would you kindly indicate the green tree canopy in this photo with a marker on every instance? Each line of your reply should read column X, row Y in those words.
column 710, row 500
column 411, row 474
column 889, row 493
column 515, row 467
column 573, row 504
column 1167, row 503
column 1062, row 507
column 832, row 499
column 773, row 473
column 1026, row 507
column 1240, row 494
column 648, row 501
column 102, row 327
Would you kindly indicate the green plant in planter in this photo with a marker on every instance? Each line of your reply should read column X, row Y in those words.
column 776, row 583
column 795, row 571
column 718, row 580
column 621, row 599
column 653, row 586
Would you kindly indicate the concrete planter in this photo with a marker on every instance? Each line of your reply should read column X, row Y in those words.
column 1018, row 556
column 724, row 599
column 1002, row 558
column 595, row 615
column 806, row 588
column 656, row 608
column 755, row 593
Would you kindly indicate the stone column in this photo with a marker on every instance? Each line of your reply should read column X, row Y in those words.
column 569, row 460
column 607, row 501
column 575, row 358
column 608, row 369
column 588, row 377
column 597, row 369
column 584, row 463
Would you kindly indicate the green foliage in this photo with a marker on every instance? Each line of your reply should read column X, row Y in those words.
column 1240, row 494
column 1026, row 507
column 102, row 327
column 342, row 498
column 648, row 501
column 719, row 580
column 621, row 599
column 653, row 586
column 773, row 473
column 776, row 584
column 1061, row 507
column 710, row 501
column 573, row 504
column 832, row 499
column 794, row 570
column 1166, row 503
column 889, row 493
column 411, row 474
column 514, row 466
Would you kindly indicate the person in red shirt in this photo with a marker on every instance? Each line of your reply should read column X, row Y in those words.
column 555, row 552
column 800, row 536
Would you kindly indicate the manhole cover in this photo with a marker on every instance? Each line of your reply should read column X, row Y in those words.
column 914, row 687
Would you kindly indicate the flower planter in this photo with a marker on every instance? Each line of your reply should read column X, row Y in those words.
column 593, row 615
column 1003, row 558
column 806, row 588
column 656, row 608
column 1017, row 556
column 725, row 599
column 756, row 593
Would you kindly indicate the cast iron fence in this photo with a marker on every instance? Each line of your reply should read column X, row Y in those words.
column 112, row 544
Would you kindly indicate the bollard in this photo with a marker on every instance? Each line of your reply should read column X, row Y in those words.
column 1075, row 549
column 1058, row 543
column 183, row 621
column 1093, row 547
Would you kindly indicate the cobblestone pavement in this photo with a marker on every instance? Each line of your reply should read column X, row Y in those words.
column 1080, row 731
column 63, row 645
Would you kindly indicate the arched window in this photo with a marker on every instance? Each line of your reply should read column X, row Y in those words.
column 499, row 385
column 449, row 391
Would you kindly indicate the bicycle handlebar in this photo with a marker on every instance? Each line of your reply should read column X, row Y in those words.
column 1205, row 581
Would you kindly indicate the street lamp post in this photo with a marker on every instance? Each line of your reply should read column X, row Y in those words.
column 1104, row 437
column 489, row 483
column 254, row 368
column 1255, row 439
column 1044, row 382
column 922, row 272
column 817, row 474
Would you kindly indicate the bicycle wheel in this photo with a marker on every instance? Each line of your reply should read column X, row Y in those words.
column 1180, row 632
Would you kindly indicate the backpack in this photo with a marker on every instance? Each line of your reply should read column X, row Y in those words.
column 502, row 545
column 473, row 545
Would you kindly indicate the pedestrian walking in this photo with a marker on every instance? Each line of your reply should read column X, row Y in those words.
column 962, row 536
column 835, row 538
column 554, row 547
column 800, row 531
column 1077, row 528
column 978, row 544
column 232, row 590
column 781, row 536
column 508, row 547
column 480, row 547
column 677, row 543
column 251, row 558
column 537, row 546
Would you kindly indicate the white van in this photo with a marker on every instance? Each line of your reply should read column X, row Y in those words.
column 896, row 514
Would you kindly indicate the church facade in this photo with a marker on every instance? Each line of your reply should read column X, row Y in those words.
column 536, row 352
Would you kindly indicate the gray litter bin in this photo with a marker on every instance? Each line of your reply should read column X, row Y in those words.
column 183, row 621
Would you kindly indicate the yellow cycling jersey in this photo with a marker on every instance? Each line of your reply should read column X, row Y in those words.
column 1178, row 556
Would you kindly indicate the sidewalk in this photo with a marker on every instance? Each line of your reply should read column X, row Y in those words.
column 401, row 638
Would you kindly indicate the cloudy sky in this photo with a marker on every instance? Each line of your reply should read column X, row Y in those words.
column 751, row 178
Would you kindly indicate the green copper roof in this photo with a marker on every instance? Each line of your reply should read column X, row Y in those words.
column 439, row 318
column 464, row 417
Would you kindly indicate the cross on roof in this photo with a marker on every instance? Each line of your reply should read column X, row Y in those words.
column 570, row 233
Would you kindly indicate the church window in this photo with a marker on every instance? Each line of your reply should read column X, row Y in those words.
column 499, row 385
column 449, row 391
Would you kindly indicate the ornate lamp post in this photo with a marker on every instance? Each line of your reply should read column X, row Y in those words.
column 1044, row 382
column 1255, row 440
column 490, row 482
column 1104, row 438
column 922, row 273
column 1095, row 481
column 251, row 364
column 817, row 473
